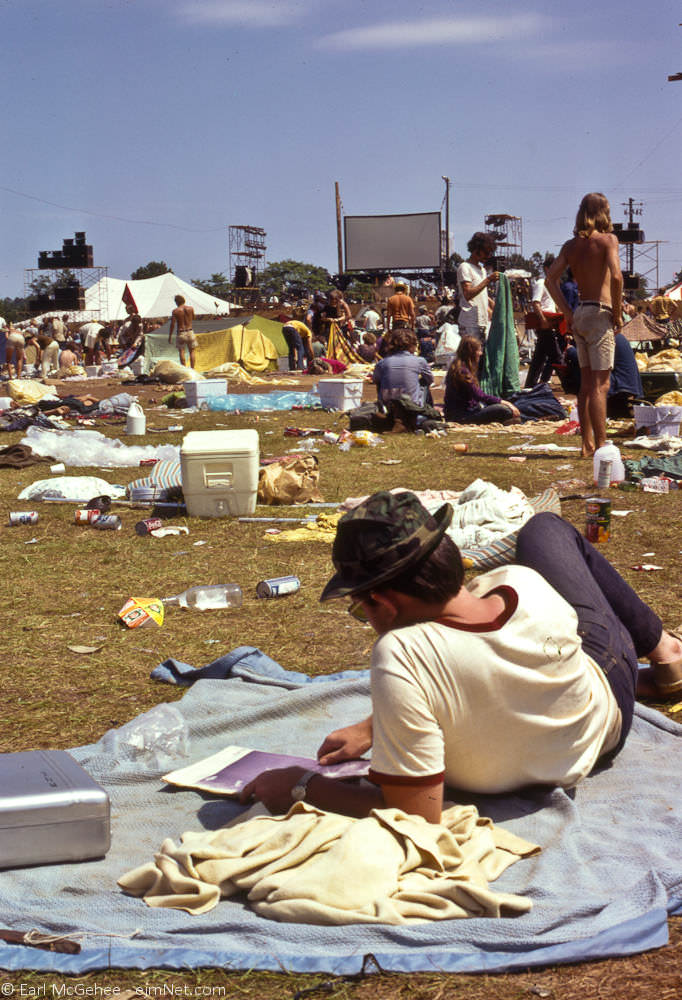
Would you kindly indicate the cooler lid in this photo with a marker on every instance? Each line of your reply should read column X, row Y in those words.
column 38, row 783
column 220, row 442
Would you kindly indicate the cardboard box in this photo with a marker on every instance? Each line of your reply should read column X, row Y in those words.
column 658, row 420
column 51, row 810
column 197, row 392
column 220, row 472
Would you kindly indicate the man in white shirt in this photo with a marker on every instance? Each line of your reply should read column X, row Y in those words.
column 472, row 284
column 371, row 319
column 90, row 334
column 470, row 686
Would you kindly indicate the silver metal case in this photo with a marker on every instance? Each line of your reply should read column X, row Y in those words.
column 51, row 810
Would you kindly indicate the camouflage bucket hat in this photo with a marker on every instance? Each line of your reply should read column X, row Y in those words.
column 380, row 538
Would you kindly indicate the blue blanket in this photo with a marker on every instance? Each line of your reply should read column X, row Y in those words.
column 609, row 872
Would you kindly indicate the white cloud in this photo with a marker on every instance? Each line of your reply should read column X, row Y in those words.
column 244, row 13
column 437, row 31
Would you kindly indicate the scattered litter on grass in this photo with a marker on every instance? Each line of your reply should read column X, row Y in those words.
column 85, row 649
column 646, row 567
column 517, row 458
column 620, row 513
column 647, row 555
column 387, row 461
column 31, row 541
column 676, row 708
column 564, row 468
column 184, row 552
column 548, row 446
column 202, row 541
column 75, row 488
column 172, row 529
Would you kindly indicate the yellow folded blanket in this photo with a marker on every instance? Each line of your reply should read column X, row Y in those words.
column 317, row 867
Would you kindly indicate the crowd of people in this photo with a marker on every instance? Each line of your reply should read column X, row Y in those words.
column 55, row 345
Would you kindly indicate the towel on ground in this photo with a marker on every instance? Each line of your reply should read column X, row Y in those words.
column 318, row 867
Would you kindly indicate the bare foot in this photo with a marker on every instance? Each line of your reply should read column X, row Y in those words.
column 587, row 451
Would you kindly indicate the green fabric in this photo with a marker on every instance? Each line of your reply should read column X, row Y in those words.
column 272, row 330
column 653, row 465
column 500, row 376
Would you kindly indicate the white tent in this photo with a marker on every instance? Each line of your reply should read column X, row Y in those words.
column 153, row 297
column 675, row 292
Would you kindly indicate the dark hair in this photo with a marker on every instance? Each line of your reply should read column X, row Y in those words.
column 400, row 338
column 481, row 241
column 464, row 368
column 436, row 577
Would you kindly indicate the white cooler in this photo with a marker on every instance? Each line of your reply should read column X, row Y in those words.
column 340, row 393
column 220, row 472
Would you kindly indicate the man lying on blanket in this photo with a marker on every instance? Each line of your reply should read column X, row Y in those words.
column 528, row 675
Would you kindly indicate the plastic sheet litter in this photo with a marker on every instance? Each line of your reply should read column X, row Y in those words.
column 90, row 448
column 118, row 404
column 251, row 402
column 79, row 488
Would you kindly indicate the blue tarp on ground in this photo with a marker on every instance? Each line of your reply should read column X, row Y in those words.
column 609, row 872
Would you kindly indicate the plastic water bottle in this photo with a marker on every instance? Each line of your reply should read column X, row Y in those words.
column 609, row 453
column 208, row 597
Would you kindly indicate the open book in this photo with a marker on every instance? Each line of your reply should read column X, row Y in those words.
column 229, row 770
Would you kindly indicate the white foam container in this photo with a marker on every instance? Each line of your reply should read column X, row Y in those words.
column 111, row 367
column 658, row 420
column 92, row 371
column 197, row 392
column 340, row 393
column 220, row 472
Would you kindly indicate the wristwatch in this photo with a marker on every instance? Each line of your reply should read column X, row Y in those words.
column 299, row 789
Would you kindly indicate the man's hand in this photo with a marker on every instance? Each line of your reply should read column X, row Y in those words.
column 348, row 743
column 273, row 789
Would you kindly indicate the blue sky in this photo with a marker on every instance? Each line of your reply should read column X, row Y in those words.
column 154, row 125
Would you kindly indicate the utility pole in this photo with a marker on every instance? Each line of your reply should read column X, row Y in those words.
column 445, row 255
column 631, row 211
column 339, row 245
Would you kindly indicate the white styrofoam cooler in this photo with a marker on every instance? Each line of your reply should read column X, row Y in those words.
column 220, row 472
column 340, row 393
column 658, row 420
column 197, row 391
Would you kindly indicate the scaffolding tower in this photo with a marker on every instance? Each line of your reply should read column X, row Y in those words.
column 247, row 255
column 508, row 233
column 85, row 278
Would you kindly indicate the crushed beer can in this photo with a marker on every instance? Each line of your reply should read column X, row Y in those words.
column 86, row 515
column 108, row 522
column 23, row 517
column 148, row 525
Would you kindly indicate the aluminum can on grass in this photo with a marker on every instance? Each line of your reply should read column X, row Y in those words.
column 108, row 522
column 23, row 517
column 598, row 520
column 278, row 586
column 86, row 515
column 148, row 525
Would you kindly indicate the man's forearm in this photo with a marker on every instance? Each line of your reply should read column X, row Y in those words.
column 350, row 799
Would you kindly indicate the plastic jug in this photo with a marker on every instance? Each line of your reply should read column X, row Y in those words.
column 609, row 453
column 136, row 422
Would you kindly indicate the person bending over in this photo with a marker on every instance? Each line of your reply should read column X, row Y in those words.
column 464, row 400
column 470, row 686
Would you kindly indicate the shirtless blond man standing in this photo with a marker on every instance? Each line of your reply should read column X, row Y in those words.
column 592, row 255
column 182, row 317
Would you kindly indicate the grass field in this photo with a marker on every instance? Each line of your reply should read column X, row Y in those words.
column 65, row 589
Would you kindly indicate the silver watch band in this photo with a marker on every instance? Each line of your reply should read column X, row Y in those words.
column 299, row 789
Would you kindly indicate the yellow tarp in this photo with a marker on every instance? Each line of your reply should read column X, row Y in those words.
column 249, row 347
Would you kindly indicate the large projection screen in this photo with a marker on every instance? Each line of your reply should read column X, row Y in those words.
column 392, row 242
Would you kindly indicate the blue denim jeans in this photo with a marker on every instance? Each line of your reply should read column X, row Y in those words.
column 615, row 626
column 295, row 345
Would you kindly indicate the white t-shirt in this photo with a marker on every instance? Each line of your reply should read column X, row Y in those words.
column 371, row 319
column 540, row 294
column 90, row 332
column 492, row 707
column 474, row 313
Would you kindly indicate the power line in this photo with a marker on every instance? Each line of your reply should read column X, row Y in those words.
column 115, row 218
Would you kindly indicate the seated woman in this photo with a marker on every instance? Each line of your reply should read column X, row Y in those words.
column 465, row 402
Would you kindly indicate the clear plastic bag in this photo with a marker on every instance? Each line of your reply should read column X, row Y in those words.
column 156, row 739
